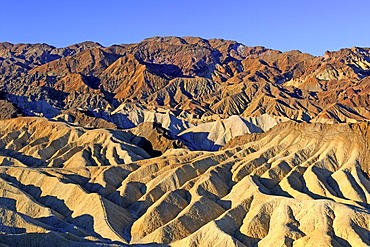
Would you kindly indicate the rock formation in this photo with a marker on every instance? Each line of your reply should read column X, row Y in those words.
column 183, row 142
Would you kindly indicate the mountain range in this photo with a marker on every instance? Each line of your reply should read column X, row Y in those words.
column 183, row 141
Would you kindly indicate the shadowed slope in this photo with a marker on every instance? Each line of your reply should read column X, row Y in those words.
column 37, row 142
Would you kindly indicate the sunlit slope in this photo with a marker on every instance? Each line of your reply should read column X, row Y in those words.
column 297, row 184
column 35, row 142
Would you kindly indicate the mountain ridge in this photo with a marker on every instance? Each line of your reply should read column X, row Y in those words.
column 194, row 80
column 183, row 141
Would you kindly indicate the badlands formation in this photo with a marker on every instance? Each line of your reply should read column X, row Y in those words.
column 183, row 142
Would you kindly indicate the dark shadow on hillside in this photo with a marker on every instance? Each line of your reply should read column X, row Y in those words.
column 56, row 240
column 109, row 192
column 196, row 141
column 361, row 72
column 36, row 102
column 336, row 239
column 167, row 70
column 25, row 159
column 84, row 221
column 252, row 127
column 11, row 230
column 146, row 145
column 361, row 232
column 92, row 82
column 121, row 120
column 8, row 203
column 109, row 96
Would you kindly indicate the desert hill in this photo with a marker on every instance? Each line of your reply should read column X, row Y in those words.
column 183, row 142
column 189, row 76
column 296, row 184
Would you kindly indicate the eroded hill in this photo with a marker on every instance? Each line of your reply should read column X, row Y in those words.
column 191, row 77
column 183, row 142
column 297, row 184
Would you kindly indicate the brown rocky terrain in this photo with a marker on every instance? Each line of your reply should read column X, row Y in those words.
column 192, row 76
column 183, row 142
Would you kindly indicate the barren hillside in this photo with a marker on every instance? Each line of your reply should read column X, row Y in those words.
column 183, row 142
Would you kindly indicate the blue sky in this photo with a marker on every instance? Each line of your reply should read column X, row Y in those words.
column 310, row 26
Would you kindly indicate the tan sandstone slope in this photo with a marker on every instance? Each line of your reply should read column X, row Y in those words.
column 35, row 142
column 297, row 184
